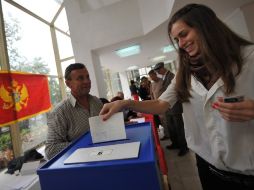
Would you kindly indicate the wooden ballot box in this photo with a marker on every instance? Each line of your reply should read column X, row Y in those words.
column 124, row 174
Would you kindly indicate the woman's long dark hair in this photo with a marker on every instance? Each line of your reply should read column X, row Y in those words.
column 219, row 46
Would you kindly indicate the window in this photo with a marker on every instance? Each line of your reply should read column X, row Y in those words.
column 30, row 49
column 55, row 93
column 113, row 83
column 64, row 43
column 61, row 21
column 45, row 9
column 29, row 42
column 33, row 131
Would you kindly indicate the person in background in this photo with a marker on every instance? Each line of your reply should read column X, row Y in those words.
column 120, row 94
column 69, row 119
column 173, row 118
column 214, row 64
column 115, row 98
column 134, row 90
column 155, row 87
column 167, row 76
column 144, row 89
column 104, row 100
column 127, row 113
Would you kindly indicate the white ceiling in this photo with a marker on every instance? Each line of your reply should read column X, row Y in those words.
column 152, row 43
column 91, row 5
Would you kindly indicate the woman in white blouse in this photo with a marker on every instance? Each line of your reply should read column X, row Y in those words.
column 214, row 64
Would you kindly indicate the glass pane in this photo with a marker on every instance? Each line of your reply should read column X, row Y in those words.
column 33, row 131
column 45, row 9
column 65, row 64
column 113, row 83
column 6, row 152
column 116, row 83
column 142, row 71
column 133, row 75
column 55, row 92
column 29, row 42
column 148, row 69
column 64, row 45
column 61, row 22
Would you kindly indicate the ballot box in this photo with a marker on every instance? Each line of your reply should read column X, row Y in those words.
column 124, row 174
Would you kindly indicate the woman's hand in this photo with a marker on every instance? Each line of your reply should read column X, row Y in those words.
column 148, row 106
column 237, row 111
column 109, row 109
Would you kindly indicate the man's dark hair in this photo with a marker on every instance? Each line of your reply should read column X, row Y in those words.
column 71, row 67
column 158, row 66
column 151, row 72
column 132, row 82
column 144, row 78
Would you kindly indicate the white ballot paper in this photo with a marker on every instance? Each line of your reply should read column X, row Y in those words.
column 103, row 153
column 109, row 130
column 139, row 120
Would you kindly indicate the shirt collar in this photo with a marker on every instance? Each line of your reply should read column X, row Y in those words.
column 73, row 100
column 164, row 76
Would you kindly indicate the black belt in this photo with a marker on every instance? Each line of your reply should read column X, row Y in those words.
column 246, row 180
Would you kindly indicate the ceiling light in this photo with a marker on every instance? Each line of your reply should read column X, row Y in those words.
column 159, row 58
column 125, row 52
column 168, row 48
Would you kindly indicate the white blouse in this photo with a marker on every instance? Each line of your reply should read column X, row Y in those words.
column 227, row 145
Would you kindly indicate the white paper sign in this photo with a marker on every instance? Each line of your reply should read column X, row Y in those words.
column 103, row 153
column 109, row 130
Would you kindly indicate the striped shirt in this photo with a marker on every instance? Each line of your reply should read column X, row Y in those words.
column 67, row 122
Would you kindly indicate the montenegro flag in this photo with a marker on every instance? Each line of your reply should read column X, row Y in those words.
column 22, row 96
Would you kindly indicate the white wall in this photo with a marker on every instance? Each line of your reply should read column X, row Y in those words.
column 92, row 29
column 248, row 12
column 81, row 49
column 241, row 21
column 102, row 89
column 105, row 26
column 125, row 85
column 236, row 21
column 153, row 13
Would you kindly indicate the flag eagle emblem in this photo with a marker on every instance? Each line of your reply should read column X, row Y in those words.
column 15, row 96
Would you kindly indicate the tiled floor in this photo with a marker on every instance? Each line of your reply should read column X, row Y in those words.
column 182, row 171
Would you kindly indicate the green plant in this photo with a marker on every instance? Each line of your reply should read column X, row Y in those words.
column 5, row 141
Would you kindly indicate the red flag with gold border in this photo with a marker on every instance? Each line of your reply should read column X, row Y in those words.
column 22, row 96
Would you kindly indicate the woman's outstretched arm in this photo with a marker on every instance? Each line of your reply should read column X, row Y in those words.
column 148, row 106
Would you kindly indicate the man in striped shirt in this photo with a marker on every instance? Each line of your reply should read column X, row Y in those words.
column 69, row 119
